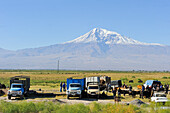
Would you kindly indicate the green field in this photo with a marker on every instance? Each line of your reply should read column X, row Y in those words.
column 50, row 79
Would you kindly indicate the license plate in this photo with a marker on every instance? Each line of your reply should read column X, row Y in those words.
column 14, row 95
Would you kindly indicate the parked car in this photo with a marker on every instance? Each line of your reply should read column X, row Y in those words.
column 159, row 97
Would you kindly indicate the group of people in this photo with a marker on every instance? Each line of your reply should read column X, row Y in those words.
column 155, row 87
column 161, row 87
column 144, row 91
column 119, row 91
column 62, row 87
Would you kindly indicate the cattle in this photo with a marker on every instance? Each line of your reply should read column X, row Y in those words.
column 130, row 81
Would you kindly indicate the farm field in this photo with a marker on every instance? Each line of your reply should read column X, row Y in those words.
column 50, row 79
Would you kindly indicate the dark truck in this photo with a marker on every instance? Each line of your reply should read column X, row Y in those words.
column 19, row 86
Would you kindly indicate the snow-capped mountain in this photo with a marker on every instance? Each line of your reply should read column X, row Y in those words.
column 99, row 35
column 98, row 49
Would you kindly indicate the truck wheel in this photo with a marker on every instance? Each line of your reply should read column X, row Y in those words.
column 88, row 96
column 9, row 97
column 97, row 96
column 21, row 97
column 67, row 96
column 80, row 96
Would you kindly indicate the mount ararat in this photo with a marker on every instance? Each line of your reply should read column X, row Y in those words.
column 98, row 49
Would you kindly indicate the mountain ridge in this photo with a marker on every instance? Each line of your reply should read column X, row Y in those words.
column 93, row 55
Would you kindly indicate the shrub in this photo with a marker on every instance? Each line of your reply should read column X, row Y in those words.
column 133, row 77
column 139, row 79
column 124, row 79
column 164, row 77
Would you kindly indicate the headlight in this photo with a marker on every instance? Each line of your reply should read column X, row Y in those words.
column 78, row 92
column 19, row 92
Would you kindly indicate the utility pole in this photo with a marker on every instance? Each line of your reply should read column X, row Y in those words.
column 58, row 66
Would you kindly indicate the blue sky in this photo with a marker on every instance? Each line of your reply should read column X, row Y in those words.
column 36, row 23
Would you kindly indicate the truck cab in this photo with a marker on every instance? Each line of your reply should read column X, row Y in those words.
column 74, row 90
column 16, row 90
column 93, row 90
column 75, row 87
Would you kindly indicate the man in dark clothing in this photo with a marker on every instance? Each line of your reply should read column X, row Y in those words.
column 130, row 88
column 64, row 86
column 167, row 88
column 143, row 89
column 61, row 87
column 119, row 92
column 124, row 85
column 114, row 92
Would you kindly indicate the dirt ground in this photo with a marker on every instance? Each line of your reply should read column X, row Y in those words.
column 64, row 101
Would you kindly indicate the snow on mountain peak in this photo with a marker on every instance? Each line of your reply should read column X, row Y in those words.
column 100, row 35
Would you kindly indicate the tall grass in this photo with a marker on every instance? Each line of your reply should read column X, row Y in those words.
column 55, row 107
column 47, row 107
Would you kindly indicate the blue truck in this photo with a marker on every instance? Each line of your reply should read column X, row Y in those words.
column 19, row 86
column 75, row 87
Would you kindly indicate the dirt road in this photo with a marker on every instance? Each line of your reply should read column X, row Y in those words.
column 63, row 101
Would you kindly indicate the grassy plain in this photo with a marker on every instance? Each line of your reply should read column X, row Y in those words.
column 50, row 79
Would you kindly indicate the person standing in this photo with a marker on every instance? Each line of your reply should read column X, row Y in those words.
column 61, row 87
column 167, row 88
column 143, row 89
column 124, row 85
column 64, row 87
column 130, row 88
column 114, row 92
column 119, row 92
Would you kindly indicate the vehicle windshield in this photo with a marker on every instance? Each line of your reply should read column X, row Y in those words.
column 75, row 85
column 93, row 87
column 160, row 95
column 17, row 86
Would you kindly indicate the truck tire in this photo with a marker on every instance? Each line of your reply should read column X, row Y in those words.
column 67, row 96
column 21, row 97
column 98, row 96
column 80, row 96
column 9, row 97
column 88, row 96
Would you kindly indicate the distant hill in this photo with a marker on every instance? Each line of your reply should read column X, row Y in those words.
column 98, row 49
